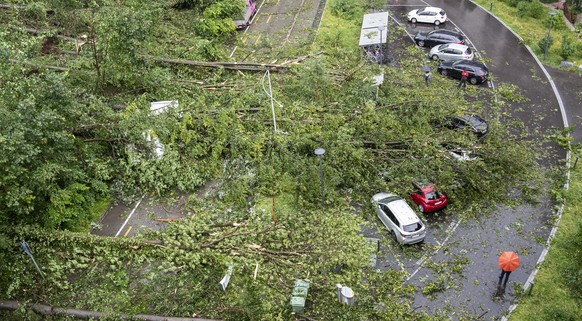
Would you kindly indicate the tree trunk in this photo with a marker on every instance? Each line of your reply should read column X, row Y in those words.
column 85, row 315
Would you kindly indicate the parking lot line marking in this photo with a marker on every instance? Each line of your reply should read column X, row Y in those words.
column 269, row 19
column 232, row 53
column 129, row 229
column 294, row 21
column 259, row 37
column 424, row 258
column 130, row 214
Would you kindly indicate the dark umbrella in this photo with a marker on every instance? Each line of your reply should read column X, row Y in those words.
column 425, row 68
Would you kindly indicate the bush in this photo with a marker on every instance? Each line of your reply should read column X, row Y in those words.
column 523, row 8
column 542, row 43
column 36, row 13
column 557, row 23
column 346, row 9
column 536, row 9
column 512, row 3
column 568, row 47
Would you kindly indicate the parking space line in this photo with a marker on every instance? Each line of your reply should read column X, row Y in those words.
column 294, row 21
column 269, row 19
column 130, row 215
column 424, row 258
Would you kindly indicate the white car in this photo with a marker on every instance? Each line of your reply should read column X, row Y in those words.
column 451, row 51
column 403, row 223
column 428, row 15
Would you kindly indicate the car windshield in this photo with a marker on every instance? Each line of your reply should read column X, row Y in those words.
column 412, row 227
column 445, row 46
column 468, row 51
column 476, row 121
column 420, row 11
column 389, row 199
column 442, row 12
column 433, row 196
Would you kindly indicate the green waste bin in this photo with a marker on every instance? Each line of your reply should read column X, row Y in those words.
column 302, row 284
column 298, row 304
column 300, row 291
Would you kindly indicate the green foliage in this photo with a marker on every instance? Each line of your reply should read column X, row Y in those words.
column 568, row 47
column 64, row 151
column 45, row 185
column 513, row 3
column 546, row 41
column 557, row 22
column 536, row 9
column 523, row 8
column 346, row 9
column 217, row 22
column 36, row 12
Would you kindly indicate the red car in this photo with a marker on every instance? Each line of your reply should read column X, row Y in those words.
column 427, row 197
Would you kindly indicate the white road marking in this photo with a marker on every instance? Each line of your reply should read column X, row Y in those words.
column 294, row 21
column 247, row 28
column 130, row 214
column 424, row 258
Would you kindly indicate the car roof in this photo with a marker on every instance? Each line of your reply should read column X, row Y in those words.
column 457, row 46
column 403, row 211
column 445, row 31
column 432, row 9
column 469, row 63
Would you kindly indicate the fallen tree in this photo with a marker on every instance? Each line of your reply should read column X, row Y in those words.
column 44, row 309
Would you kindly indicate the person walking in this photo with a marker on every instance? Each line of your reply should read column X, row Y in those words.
column 463, row 81
column 427, row 77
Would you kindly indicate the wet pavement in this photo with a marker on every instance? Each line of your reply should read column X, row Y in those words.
column 280, row 23
column 150, row 213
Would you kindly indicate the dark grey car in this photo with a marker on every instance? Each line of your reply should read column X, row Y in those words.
column 438, row 37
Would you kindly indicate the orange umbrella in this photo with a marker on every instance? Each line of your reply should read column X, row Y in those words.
column 508, row 261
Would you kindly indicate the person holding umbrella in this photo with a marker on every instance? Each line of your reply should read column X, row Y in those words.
column 508, row 262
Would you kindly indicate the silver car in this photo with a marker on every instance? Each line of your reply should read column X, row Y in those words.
column 451, row 51
column 403, row 223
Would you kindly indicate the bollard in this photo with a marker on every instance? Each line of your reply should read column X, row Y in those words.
column 491, row 6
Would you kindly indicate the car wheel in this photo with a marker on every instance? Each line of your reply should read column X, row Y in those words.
column 393, row 236
column 444, row 72
column 435, row 57
column 473, row 81
column 421, row 208
column 413, row 20
column 436, row 22
column 421, row 43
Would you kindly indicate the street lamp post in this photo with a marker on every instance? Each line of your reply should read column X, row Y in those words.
column 381, row 29
column 552, row 14
column 319, row 152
